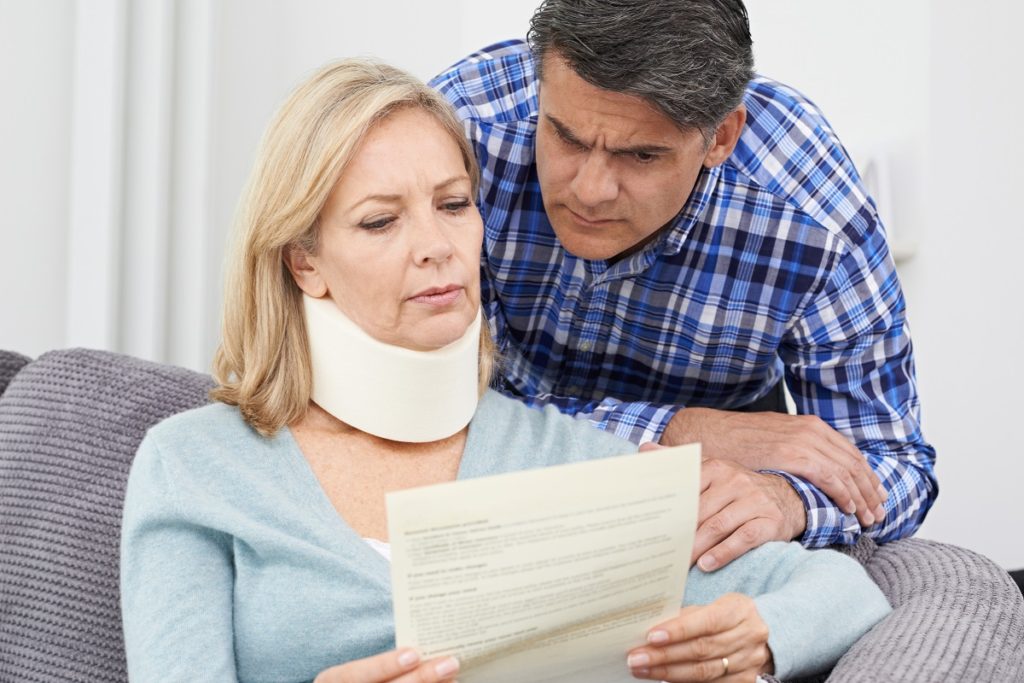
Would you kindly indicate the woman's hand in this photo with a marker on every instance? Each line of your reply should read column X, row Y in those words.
column 396, row 666
column 724, row 641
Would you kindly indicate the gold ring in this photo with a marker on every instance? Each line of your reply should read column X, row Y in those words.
column 725, row 667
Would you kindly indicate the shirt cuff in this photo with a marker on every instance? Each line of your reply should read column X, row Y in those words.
column 826, row 523
column 638, row 421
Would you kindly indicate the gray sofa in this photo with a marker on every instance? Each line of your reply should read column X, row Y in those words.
column 71, row 420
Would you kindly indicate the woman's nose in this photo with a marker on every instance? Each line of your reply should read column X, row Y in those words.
column 432, row 242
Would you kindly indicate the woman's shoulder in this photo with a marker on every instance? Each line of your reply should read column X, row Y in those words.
column 214, row 421
column 540, row 436
column 203, row 437
column 208, row 454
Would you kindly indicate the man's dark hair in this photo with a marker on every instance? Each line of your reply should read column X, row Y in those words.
column 692, row 59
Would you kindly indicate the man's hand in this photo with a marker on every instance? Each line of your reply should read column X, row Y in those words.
column 740, row 510
column 802, row 445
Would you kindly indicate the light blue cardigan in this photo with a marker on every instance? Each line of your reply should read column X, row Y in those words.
column 235, row 565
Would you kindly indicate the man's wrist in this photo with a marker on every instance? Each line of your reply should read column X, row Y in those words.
column 684, row 427
column 790, row 502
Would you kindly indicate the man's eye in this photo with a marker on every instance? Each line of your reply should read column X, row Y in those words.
column 569, row 142
column 579, row 146
column 644, row 157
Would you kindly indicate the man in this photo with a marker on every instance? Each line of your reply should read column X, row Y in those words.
column 669, row 236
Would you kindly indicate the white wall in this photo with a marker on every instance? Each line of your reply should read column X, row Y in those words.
column 916, row 84
column 865, row 65
column 966, row 284
column 125, row 164
column 35, row 82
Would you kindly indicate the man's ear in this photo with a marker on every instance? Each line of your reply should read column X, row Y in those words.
column 726, row 136
column 303, row 268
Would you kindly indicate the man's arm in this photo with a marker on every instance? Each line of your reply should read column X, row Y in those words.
column 767, row 507
column 850, row 362
column 800, row 448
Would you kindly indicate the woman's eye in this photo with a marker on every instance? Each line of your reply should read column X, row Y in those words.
column 456, row 207
column 377, row 223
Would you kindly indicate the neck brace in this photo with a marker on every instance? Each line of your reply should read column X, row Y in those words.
column 390, row 391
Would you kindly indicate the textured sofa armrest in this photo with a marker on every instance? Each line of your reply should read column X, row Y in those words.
column 70, row 423
column 956, row 616
column 10, row 364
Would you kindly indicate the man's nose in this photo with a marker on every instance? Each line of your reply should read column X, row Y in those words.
column 595, row 181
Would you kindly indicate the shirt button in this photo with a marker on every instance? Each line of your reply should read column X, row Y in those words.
column 586, row 346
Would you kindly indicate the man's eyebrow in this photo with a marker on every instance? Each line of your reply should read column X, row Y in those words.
column 653, row 150
column 566, row 134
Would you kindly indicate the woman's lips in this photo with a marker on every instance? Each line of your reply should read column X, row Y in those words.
column 438, row 296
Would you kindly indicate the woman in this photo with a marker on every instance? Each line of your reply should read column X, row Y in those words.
column 254, row 538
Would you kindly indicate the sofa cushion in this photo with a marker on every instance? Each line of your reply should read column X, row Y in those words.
column 70, row 423
column 10, row 364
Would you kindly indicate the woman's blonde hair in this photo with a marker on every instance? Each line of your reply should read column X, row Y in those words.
column 263, row 364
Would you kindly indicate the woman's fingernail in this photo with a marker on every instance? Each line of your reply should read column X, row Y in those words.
column 882, row 493
column 408, row 658
column 656, row 637
column 879, row 512
column 644, row 673
column 447, row 666
column 707, row 563
column 637, row 660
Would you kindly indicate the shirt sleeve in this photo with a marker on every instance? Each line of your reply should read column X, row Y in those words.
column 636, row 421
column 176, row 584
column 849, row 360
column 816, row 604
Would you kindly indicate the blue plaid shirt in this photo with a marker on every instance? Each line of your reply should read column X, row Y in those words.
column 777, row 266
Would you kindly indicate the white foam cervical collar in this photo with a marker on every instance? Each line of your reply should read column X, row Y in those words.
column 390, row 391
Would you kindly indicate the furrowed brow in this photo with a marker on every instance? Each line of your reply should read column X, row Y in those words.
column 653, row 150
column 567, row 135
column 564, row 132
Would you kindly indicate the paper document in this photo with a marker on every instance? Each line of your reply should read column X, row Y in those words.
column 550, row 574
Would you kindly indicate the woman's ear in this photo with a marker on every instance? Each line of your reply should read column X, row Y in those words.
column 303, row 268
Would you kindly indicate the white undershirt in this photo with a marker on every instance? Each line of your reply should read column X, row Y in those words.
column 380, row 546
